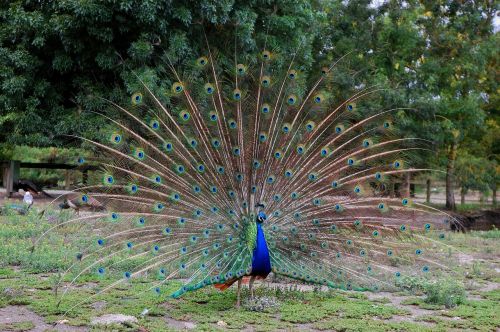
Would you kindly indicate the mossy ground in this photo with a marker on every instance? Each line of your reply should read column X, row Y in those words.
column 29, row 280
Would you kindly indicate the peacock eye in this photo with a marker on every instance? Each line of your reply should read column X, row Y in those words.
column 136, row 98
column 236, row 94
column 265, row 108
column 266, row 81
column 209, row 89
column 177, row 87
column 202, row 61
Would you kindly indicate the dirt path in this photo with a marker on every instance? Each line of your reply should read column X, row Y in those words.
column 12, row 316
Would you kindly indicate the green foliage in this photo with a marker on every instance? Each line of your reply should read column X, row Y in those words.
column 59, row 58
column 474, row 172
column 261, row 304
column 477, row 161
column 43, row 177
column 17, row 327
column 492, row 234
column 17, row 236
column 448, row 292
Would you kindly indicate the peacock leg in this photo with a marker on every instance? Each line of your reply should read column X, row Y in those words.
column 250, row 285
column 239, row 292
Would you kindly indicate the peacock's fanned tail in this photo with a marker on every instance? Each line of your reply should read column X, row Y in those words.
column 184, row 167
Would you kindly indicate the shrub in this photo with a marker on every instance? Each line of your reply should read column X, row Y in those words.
column 449, row 293
column 261, row 304
column 413, row 285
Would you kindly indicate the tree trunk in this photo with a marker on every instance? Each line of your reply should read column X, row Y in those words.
column 428, row 192
column 67, row 179
column 450, row 171
column 462, row 195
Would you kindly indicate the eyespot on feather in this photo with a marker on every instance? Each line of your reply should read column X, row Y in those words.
column 177, row 87
column 137, row 98
column 241, row 69
column 202, row 61
column 266, row 55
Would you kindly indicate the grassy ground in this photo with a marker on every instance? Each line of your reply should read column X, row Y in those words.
column 28, row 294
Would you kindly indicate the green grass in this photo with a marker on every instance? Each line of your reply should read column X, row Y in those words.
column 317, row 310
column 491, row 234
column 17, row 327
column 468, row 207
column 30, row 280
column 444, row 292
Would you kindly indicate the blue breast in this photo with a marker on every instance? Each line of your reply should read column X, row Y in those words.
column 261, row 264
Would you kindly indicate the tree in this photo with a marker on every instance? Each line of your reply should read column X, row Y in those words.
column 439, row 58
column 453, row 66
column 473, row 172
column 56, row 57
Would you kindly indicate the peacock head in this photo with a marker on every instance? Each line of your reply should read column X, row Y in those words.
column 261, row 217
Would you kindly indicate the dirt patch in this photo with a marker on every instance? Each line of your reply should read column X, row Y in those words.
column 71, row 286
column 179, row 324
column 489, row 286
column 99, row 305
column 465, row 259
column 20, row 314
column 305, row 327
column 410, row 319
column 483, row 220
column 293, row 286
column 113, row 319
column 396, row 300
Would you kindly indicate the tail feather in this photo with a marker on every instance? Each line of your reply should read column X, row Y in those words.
column 184, row 166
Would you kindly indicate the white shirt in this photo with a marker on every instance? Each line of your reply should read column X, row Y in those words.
column 28, row 198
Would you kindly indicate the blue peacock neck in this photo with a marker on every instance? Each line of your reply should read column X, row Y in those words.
column 261, row 263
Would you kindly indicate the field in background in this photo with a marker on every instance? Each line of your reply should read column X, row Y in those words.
column 55, row 181
column 29, row 284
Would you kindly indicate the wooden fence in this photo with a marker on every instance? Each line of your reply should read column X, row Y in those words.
column 12, row 168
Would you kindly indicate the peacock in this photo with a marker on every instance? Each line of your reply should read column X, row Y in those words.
column 228, row 171
column 73, row 201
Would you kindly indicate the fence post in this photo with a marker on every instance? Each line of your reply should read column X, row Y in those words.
column 67, row 179
column 10, row 176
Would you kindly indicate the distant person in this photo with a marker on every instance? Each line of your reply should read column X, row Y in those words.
column 28, row 199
